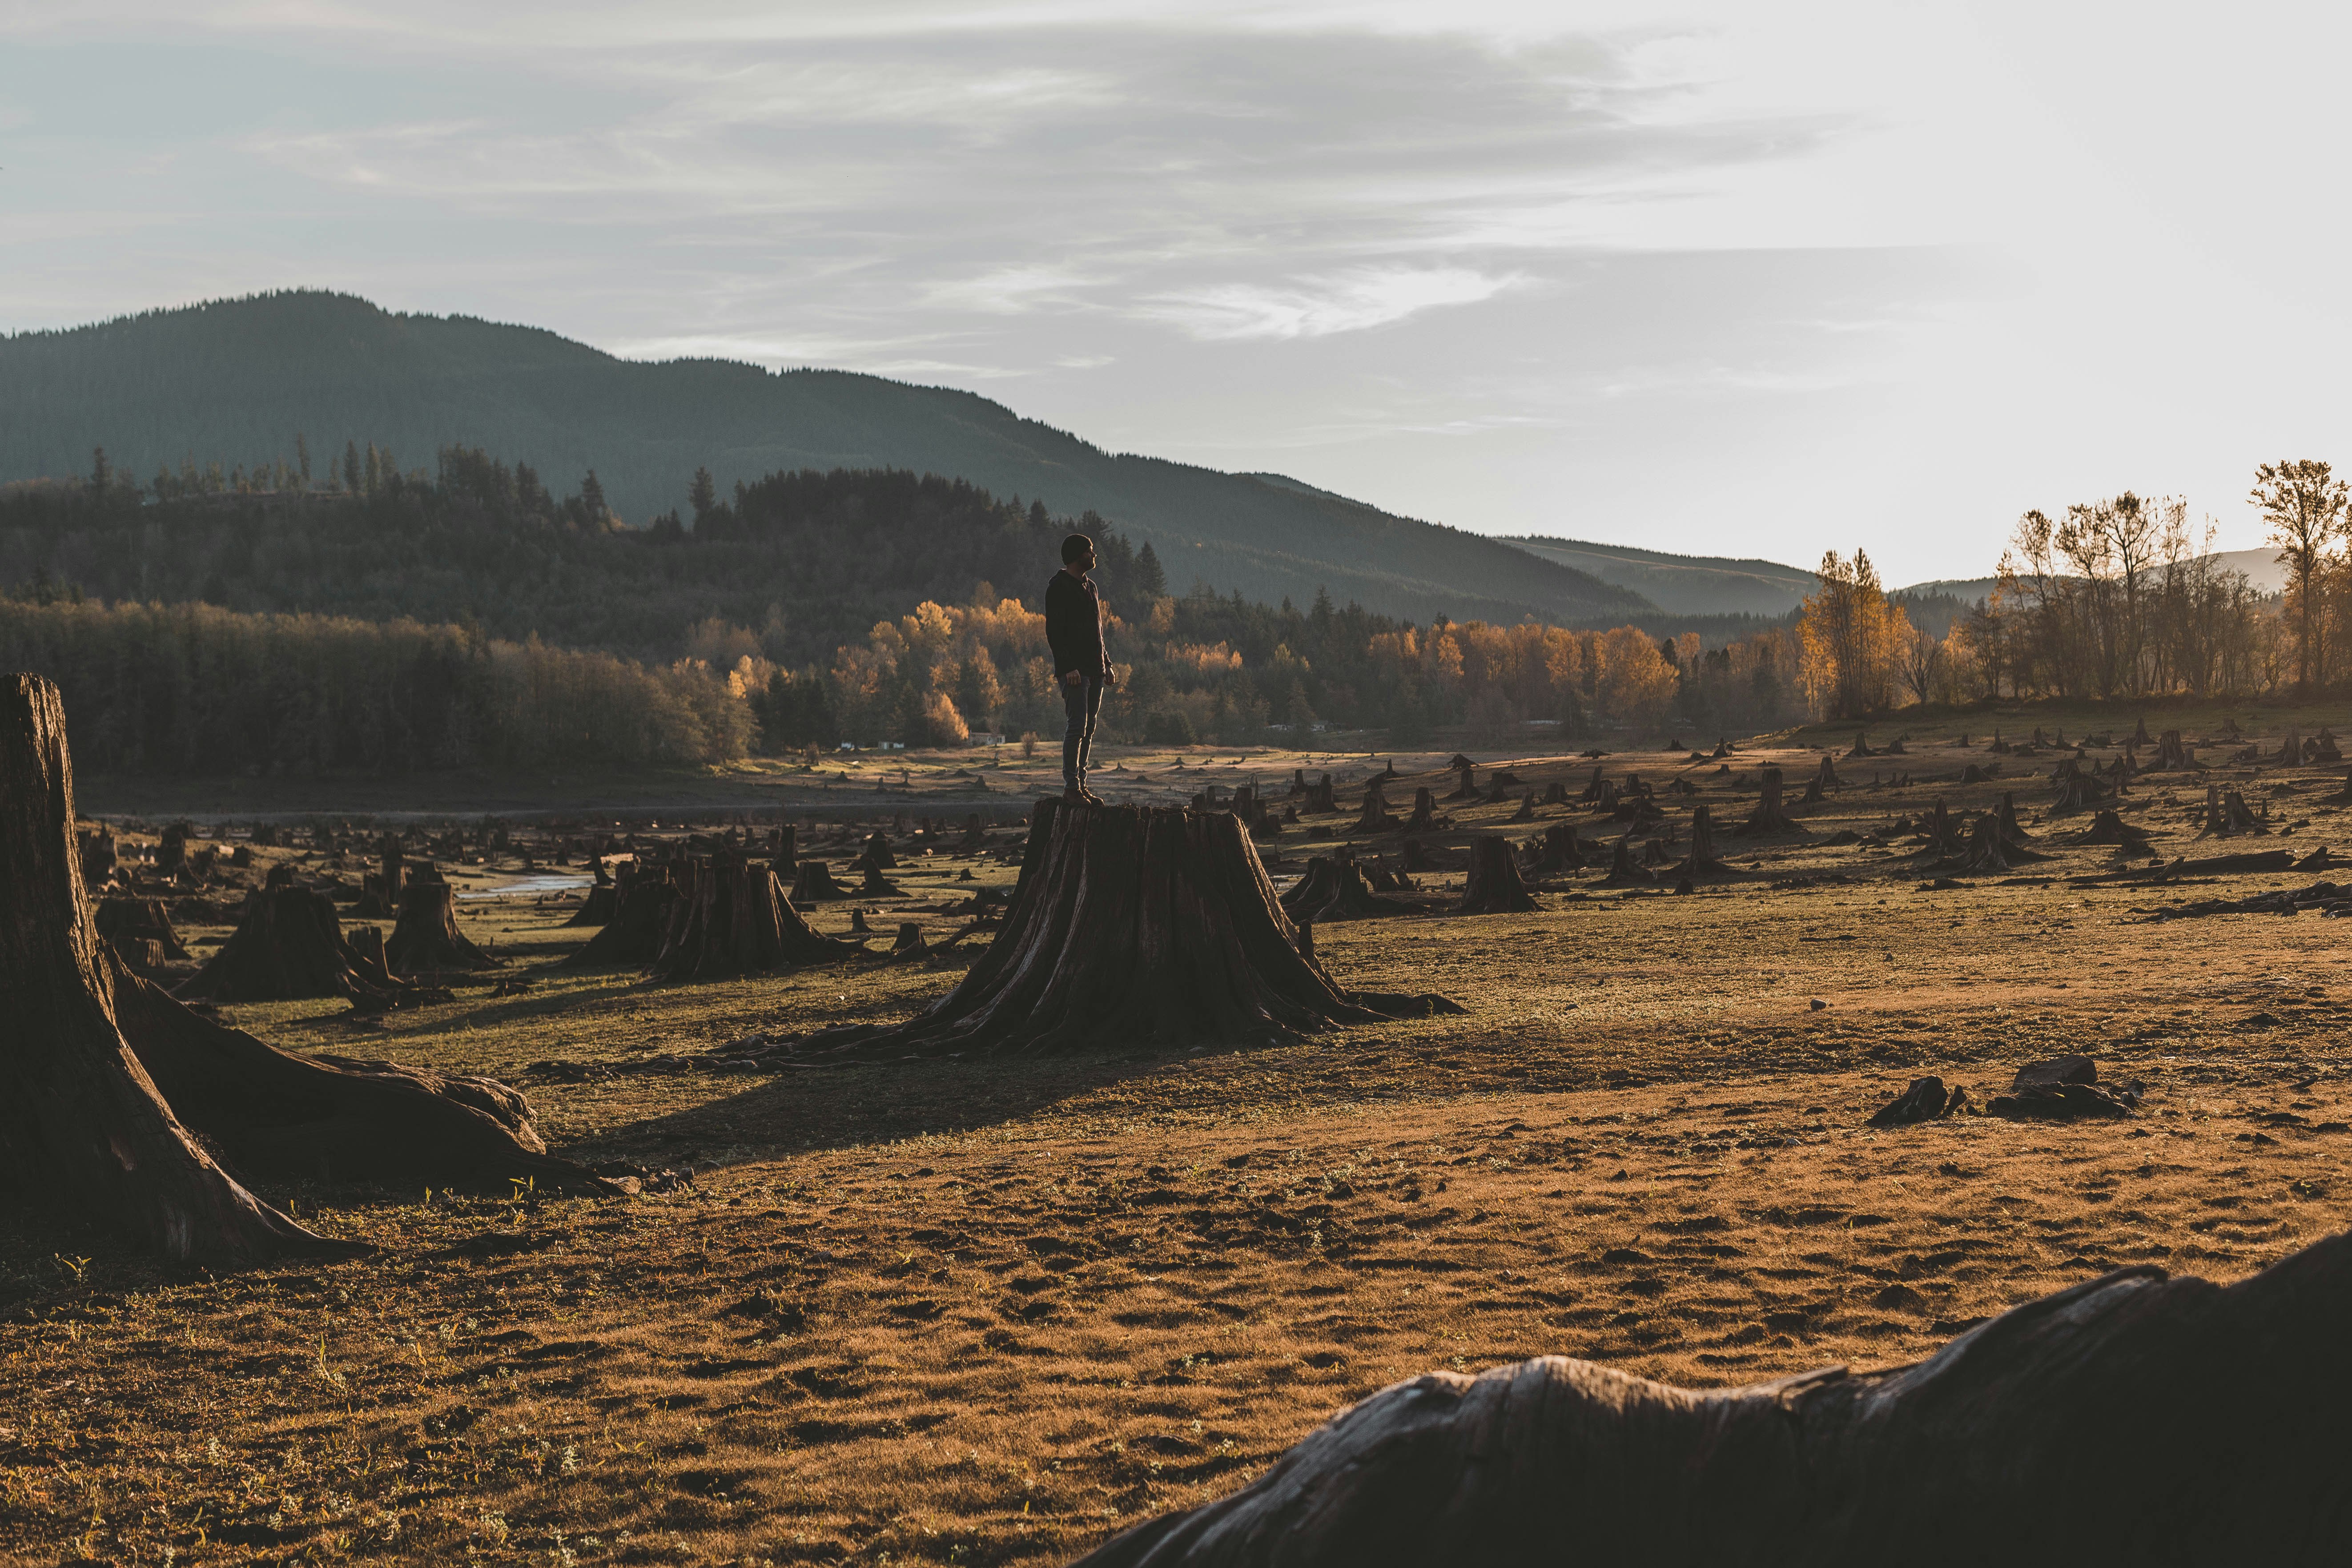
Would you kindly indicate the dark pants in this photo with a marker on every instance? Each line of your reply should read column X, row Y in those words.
column 1082, row 701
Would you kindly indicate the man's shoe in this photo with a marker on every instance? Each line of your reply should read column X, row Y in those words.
column 1073, row 795
column 1090, row 797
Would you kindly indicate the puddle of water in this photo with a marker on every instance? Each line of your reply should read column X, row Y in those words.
column 533, row 886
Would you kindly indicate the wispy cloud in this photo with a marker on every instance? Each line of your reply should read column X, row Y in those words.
column 1319, row 307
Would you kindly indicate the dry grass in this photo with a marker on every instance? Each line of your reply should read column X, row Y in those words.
column 958, row 1311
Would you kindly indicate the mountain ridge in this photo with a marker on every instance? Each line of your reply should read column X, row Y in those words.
column 237, row 380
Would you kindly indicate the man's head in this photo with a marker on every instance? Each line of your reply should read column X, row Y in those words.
column 1079, row 552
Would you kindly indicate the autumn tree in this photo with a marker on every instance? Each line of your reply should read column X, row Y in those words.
column 1853, row 637
column 2306, row 505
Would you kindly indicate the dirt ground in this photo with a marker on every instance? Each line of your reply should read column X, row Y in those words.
column 970, row 1311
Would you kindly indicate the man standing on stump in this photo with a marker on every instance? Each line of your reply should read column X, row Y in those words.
column 1073, row 631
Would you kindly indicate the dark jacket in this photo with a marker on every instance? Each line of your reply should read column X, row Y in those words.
column 1074, row 627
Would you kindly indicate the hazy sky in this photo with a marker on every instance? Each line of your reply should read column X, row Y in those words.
column 1747, row 279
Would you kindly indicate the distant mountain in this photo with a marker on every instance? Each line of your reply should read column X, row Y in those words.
column 2260, row 566
column 1681, row 584
column 237, row 380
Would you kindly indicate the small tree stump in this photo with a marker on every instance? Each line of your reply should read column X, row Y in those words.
column 813, row 883
column 287, row 946
column 1770, row 817
column 1701, row 862
column 640, row 922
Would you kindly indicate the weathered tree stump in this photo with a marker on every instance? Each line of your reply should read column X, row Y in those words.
column 2226, row 815
column 813, row 883
column 1493, row 886
column 2140, row 736
column 1424, row 808
column 731, row 919
column 1334, row 889
column 425, row 940
column 380, row 891
column 1990, row 849
column 1527, row 812
column 877, row 854
column 1416, row 859
column 1464, row 787
column 2078, row 791
column 1131, row 925
column 2216, row 1411
column 287, row 946
column 1320, row 796
column 1624, row 871
column 83, row 1128
column 1942, row 835
column 784, row 844
column 2172, row 753
column 640, row 922
column 603, row 903
column 877, row 885
column 2109, row 827
column 1770, row 817
column 1860, row 747
column 1376, row 816
column 132, row 922
column 1701, row 862
column 1561, row 852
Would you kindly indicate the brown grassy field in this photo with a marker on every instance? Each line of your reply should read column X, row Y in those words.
column 972, row 1311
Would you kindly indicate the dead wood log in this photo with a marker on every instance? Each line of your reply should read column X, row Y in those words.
column 1131, row 925
column 1925, row 1101
column 83, row 1128
column 426, row 939
column 2212, row 1415
column 1770, row 817
column 732, row 919
column 640, row 922
column 1493, row 886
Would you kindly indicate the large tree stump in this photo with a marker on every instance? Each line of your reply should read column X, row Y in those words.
column 2171, row 751
column 1464, row 787
column 1131, row 925
column 1561, row 852
column 1493, row 886
column 425, row 940
column 1770, row 817
column 733, row 919
column 2133, row 1418
column 287, row 946
column 1424, row 808
column 82, row 1127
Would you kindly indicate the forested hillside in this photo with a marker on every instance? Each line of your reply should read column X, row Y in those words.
column 241, row 380
column 808, row 560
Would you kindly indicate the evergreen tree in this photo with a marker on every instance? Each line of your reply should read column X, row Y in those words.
column 1151, row 581
column 351, row 467
column 702, row 495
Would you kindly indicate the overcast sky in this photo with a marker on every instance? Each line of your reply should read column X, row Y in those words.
column 1749, row 278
